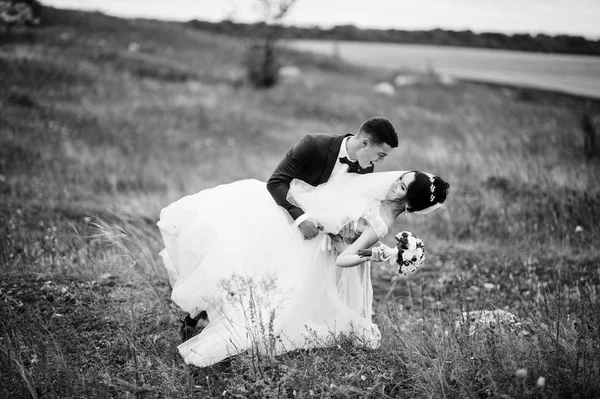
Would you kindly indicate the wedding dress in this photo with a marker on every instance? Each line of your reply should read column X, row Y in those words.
column 232, row 251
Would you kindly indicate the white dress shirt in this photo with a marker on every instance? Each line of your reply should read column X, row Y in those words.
column 341, row 167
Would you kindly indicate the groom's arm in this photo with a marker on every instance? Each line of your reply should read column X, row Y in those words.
column 291, row 167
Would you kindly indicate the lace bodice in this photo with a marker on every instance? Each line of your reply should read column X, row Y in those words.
column 373, row 216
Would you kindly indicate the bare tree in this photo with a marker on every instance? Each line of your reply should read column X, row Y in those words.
column 262, row 60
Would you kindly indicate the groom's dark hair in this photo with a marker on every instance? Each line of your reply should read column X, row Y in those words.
column 380, row 131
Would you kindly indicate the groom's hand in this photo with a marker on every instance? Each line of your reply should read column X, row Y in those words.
column 309, row 228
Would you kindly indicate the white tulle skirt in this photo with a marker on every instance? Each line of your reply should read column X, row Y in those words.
column 232, row 251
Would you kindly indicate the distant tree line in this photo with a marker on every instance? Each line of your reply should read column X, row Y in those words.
column 522, row 42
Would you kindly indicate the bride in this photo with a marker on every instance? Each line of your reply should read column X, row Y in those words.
column 231, row 251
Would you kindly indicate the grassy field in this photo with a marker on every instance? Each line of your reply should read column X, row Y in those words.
column 105, row 121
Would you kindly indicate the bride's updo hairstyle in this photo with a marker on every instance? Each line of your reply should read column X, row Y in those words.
column 425, row 191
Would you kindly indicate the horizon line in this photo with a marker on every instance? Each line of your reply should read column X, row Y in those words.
column 312, row 26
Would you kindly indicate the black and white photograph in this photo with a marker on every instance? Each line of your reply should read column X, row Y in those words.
column 300, row 199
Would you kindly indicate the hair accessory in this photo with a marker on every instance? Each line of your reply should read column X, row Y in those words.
column 428, row 210
column 432, row 189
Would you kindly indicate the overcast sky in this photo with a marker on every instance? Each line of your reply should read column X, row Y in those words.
column 575, row 17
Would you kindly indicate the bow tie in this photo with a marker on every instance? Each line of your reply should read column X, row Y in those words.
column 353, row 166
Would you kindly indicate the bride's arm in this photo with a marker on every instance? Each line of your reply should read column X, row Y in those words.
column 349, row 257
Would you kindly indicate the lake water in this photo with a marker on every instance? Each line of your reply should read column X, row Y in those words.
column 574, row 74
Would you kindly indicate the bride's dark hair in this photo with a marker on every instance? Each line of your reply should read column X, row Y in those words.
column 425, row 191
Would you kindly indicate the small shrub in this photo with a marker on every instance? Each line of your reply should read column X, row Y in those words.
column 262, row 65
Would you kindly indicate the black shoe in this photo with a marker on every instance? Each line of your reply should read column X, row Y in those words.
column 189, row 322
column 186, row 331
column 194, row 322
column 188, row 325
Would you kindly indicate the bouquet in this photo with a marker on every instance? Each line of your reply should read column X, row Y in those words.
column 409, row 253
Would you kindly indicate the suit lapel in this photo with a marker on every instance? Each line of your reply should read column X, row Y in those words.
column 331, row 157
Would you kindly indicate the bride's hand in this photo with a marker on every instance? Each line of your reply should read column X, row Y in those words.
column 387, row 251
column 377, row 254
column 383, row 253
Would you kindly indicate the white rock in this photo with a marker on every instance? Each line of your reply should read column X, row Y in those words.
column 134, row 47
column 385, row 88
column 289, row 71
column 541, row 382
column 405, row 80
column 447, row 80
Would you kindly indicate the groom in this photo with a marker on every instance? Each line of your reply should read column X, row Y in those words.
column 317, row 157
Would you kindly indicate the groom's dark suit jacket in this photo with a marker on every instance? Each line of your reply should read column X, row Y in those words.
column 312, row 160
